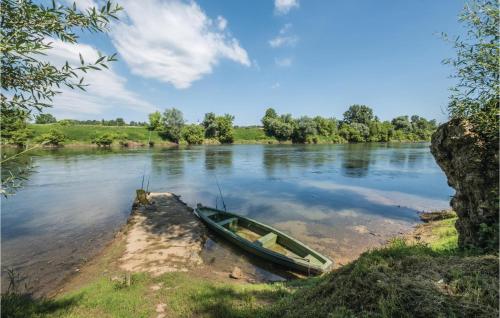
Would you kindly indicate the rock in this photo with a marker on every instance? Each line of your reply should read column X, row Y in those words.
column 471, row 166
column 236, row 273
column 160, row 308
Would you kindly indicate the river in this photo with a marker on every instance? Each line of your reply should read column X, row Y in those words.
column 340, row 199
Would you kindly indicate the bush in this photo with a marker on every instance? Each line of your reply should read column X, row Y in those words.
column 193, row 134
column 104, row 140
column 53, row 137
column 20, row 137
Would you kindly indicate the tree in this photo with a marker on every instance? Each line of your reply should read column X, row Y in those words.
column 193, row 134
column 120, row 122
column 269, row 116
column 210, row 125
column 45, row 119
column 475, row 96
column 402, row 123
column 154, row 121
column 282, row 130
column 225, row 130
column 172, row 123
column 358, row 114
column 29, row 82
column 305, row 130
column 53, row 137
column 326, row 126
column 467, row 146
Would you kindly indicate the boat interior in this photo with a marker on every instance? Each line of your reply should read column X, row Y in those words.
column 264, row 237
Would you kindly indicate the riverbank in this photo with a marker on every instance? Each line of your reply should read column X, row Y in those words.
column 421, row 274
column 140, row 136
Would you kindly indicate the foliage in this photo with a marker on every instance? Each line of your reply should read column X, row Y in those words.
column 53, row 137
column 45, row 119
column 21, row 137
column 210, row 125
column 172, row 122
column 359, row 125
column 358, row 114
column 193, row 134
column 475, row 96
column 225, row 130
column 13, row 122
column 154, row 121
column 402, row 123
column 267, row 121
column 305, row 130
column 29, row 82
column 103, row 140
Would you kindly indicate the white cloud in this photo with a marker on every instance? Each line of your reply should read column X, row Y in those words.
column 106, row 88
column 173, row 41
column 284, row 61
column 82, row 4
column 221, row 23
column 284, row 6
column 276, row 85
column 280, row 41
column 283, row 38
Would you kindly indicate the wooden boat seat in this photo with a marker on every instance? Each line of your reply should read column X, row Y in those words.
column 267, row 240
column 231, row 222
column 312, row 259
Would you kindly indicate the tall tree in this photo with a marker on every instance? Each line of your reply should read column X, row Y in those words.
column 172, row 123
column 360, row 114
column 45, row 119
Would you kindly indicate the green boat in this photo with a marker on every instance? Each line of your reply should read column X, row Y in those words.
column 264, row 241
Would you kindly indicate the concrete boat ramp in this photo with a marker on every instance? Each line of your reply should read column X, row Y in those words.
column 162, row 236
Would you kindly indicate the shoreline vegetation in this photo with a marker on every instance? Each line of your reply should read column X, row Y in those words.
column 419, row 274
column 359, row 125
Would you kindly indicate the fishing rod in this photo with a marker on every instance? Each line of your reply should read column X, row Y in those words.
column 220, row 192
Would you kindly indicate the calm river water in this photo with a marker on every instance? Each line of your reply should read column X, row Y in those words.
column 340, row 199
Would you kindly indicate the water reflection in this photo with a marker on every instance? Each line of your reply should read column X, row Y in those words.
column 356, row 160
column 219, row 158
column 329, row 196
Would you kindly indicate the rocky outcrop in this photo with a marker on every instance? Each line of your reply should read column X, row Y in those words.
column 471, row 167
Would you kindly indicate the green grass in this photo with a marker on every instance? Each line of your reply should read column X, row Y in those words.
column 251, row 134
column 183, row 296
column 84, row 133
column 399, row 280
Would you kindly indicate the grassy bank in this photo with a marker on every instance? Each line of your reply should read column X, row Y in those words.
column 423, row 275
column 83, row 134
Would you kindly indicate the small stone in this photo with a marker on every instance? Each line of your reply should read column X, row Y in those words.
column 236, row 273
column 160, row 307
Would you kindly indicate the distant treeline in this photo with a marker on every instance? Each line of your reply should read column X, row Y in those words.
column 358, row 125
column 50, row 119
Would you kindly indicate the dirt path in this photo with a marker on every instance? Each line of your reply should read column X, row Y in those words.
column 164, row 236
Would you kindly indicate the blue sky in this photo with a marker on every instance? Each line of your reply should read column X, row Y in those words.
column 304, row 57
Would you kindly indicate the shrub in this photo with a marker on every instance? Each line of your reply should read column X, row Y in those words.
column 53, row 137
column 103, row 140
column 20, row 137
column 193, row 134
